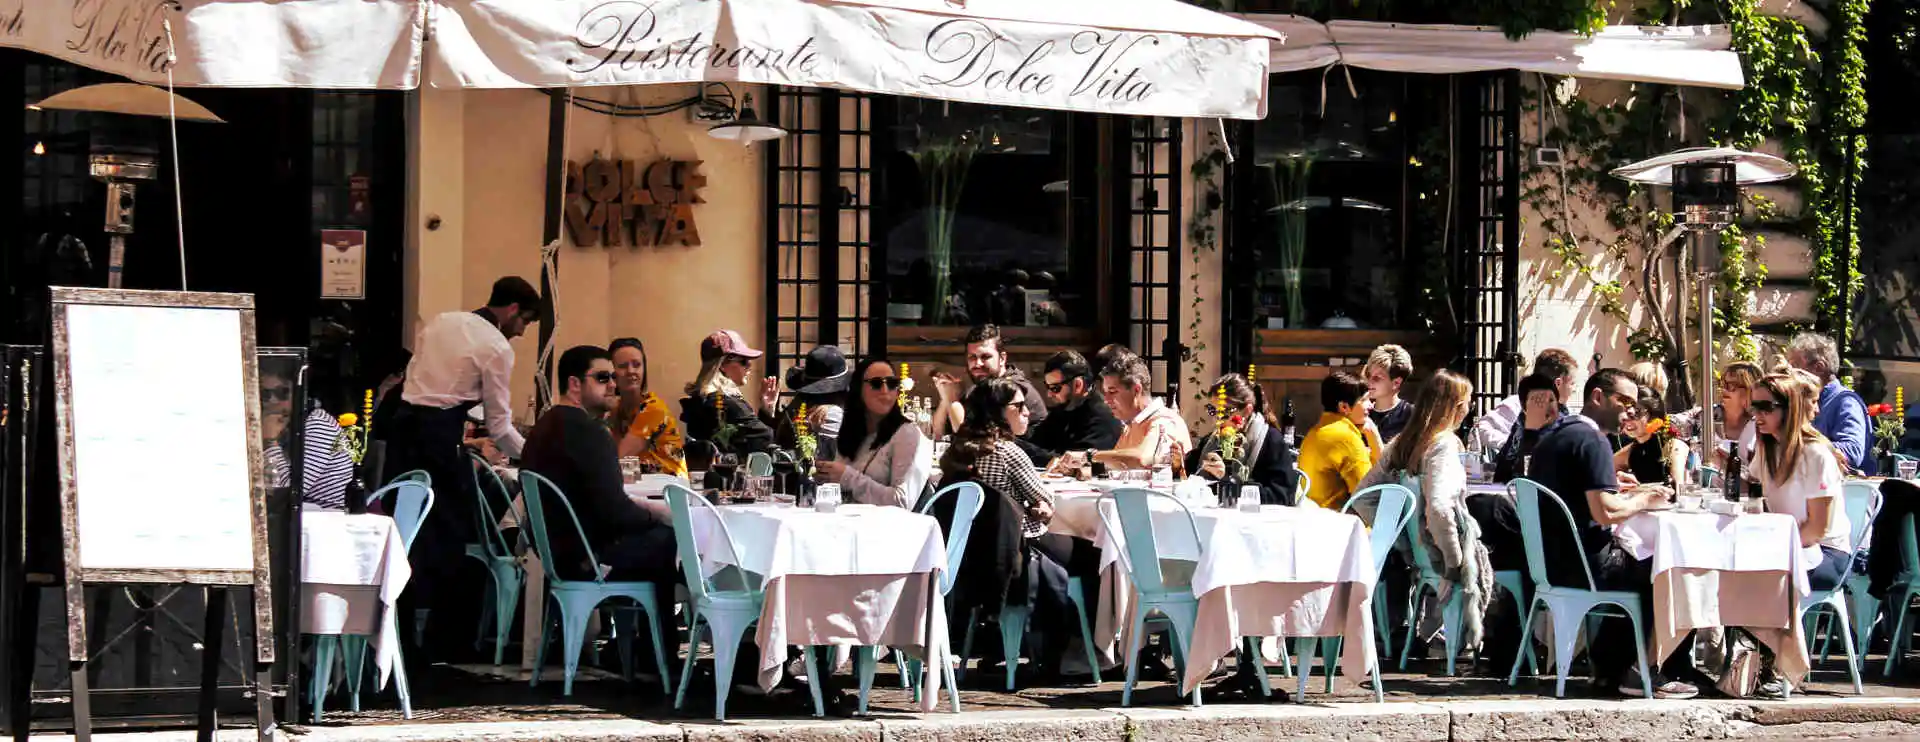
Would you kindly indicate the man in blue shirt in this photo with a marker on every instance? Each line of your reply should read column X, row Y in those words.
column 1842, row 416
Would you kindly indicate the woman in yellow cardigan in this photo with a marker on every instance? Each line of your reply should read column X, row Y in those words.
column 1340, row 449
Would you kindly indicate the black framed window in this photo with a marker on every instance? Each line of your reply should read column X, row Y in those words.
column 1327, row 208
column 986, row 215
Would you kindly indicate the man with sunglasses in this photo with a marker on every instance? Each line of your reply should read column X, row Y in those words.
column 570, row 447
column 1077, row 418
column 1574, row 460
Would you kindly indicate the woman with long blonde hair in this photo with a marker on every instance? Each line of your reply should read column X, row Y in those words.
column 1799, row 475
column 1429, row 450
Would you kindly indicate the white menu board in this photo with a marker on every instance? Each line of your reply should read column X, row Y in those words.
column 160, row 473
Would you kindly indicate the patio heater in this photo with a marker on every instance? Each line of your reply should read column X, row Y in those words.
column 121, row 169
column 1705, row 190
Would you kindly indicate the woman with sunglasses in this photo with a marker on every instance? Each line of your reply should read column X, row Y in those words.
column 1653, row 455
column 717, row 396
column 883, row 459
column 1801, row 477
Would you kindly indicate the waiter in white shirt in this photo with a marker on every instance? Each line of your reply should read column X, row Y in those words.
column 460, row 360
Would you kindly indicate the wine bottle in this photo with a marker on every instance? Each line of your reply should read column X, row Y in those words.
column 1287, row 421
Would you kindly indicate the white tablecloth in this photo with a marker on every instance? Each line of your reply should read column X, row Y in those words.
column 862, row 575
column 1723, row 570
column 352, row 566
column 1283, row 571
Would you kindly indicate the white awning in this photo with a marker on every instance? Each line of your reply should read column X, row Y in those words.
column 1141, row 57
column 1674, row 55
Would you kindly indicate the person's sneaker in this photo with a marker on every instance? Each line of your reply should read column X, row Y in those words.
column 1662, row 688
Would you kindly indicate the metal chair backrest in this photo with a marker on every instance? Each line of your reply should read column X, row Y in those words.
column 532, row 487
column 1527, row 496
column 759, row 464
column 965, row 509
column 1862, row 501
column 412, row 500
column 1416, row 520
column 1390, row 518
column 684, row 502
column 1141, row 557
column 417, row 475
column 1301, row 487
column 490, row 536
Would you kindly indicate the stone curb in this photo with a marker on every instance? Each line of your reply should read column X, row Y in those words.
column 1462, row 721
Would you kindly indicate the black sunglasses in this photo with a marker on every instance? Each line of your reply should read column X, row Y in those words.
column 1763, row 405
column 276, row 393
column 601, row 377
column 889, row 383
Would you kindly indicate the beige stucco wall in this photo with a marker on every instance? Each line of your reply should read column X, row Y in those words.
column 481, row 157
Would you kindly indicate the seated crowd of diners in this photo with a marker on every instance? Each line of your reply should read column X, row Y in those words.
column 1594, row 444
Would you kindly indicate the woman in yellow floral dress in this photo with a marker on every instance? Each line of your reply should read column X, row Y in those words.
column 642, row 422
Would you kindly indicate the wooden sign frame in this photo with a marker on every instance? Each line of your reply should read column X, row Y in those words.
column 257, row 578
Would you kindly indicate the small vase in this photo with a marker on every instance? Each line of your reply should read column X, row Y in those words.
column 356, row 496
column 1227, row 489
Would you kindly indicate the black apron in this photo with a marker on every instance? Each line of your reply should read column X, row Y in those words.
column 433, row 440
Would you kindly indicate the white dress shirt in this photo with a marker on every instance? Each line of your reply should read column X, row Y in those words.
column 460, row 357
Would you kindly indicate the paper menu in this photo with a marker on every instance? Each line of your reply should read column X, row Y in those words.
column 160, row 438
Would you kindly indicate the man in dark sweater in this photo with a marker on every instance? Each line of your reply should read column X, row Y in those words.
column 1077, row 419
column 570, row 446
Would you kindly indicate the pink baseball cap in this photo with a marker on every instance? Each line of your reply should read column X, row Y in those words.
column 726, row 343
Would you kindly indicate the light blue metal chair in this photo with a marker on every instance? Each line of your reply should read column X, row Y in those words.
column 1862, row 503
column 1569, row 605
column 759, row 464
column 577, row 599
column 727, row 612
column 966, row 507
column 413, row 500
column 1393, row 507
column 497, row 555
column 1141, row 558
column 1904, row 587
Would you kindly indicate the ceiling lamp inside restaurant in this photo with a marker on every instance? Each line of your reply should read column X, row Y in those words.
column 747, row 127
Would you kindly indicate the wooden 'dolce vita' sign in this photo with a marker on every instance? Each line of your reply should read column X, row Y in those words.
column 621, row 202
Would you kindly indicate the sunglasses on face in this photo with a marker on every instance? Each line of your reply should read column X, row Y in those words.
column 276, row 394
column 1763, row 406
column 1056, row 388
column 889, row 383
column 601, row 377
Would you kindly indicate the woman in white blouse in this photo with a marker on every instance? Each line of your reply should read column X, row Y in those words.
column 882, row 459
column 1796, row 470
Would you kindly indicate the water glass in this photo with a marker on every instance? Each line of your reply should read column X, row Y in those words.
column 629, row 469
column 1250, row 498
column 826, row 498
column 1906, row 468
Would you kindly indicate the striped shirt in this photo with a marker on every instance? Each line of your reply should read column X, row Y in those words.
column 328, row 468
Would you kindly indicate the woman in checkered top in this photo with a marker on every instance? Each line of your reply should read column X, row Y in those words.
column 983, row 451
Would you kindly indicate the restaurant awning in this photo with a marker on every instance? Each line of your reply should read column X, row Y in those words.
column 1674, row 55
column 1141, row 57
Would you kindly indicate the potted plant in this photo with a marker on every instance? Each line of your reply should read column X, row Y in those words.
column 943, row 162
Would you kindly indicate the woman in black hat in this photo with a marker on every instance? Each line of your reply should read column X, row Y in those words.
column 820, row 382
